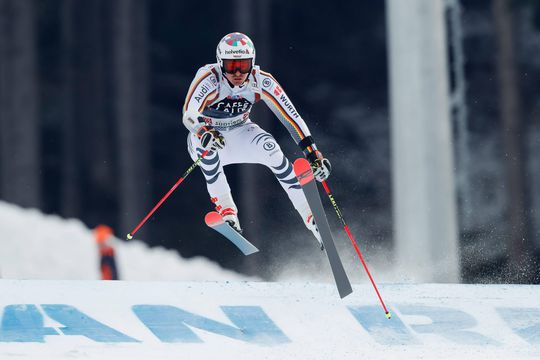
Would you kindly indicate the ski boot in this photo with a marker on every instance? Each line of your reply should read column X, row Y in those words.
column 229, row 215
column 226, row 207
column 312, row 226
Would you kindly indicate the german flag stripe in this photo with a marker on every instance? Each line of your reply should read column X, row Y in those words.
column 269, row 75
column 192, row 90
column 298, row 130
column 207, row 100
column 285, row 114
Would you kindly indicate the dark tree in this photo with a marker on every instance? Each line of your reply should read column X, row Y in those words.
column 519, row 246
column 130, row 65
column 88, row 177
column 19, row 127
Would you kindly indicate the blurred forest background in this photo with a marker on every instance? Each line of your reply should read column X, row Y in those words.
column 90, row 121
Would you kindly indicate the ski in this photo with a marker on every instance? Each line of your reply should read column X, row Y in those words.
column 307, row 181
column 216, row 222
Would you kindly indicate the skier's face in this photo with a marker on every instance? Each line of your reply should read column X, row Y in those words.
column 236, row 78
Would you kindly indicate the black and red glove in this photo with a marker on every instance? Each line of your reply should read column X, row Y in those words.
column 320, row 165
column 210, row 138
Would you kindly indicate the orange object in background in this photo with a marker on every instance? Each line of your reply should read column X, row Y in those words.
column 109, row 271
column 102, row 233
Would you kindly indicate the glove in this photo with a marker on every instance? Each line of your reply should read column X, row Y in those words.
column 320, row 165
column 210, row 138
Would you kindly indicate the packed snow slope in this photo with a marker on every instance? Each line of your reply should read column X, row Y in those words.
column 44, row 319
column 168, row 310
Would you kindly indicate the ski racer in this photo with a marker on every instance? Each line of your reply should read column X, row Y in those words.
column 217, row 114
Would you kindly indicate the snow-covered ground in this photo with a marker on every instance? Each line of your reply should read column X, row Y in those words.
column 255, row 320
column 177, row 313
column 37, row 246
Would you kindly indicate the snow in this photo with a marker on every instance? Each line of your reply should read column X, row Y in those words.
column 38, row 246
column 429, row 321
column 177, row 313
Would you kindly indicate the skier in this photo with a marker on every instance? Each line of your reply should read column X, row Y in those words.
column 216, row 112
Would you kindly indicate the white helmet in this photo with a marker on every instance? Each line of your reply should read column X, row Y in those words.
column 235, row 46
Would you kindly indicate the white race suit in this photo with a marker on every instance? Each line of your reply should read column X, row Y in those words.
column 227, row 108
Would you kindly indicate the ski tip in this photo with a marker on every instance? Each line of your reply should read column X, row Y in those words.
column 213, row 219
column 303, row 171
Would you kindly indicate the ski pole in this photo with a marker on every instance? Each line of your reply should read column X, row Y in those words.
column 129, row 236
column 348, row 231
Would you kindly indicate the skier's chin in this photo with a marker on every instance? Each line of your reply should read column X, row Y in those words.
column 238, row 81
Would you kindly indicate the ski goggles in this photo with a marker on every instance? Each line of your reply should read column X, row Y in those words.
column 231, row 66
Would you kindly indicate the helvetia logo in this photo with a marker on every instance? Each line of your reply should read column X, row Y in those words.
column 237, row 52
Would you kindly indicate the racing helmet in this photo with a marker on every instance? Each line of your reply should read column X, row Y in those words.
column 235, row 52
